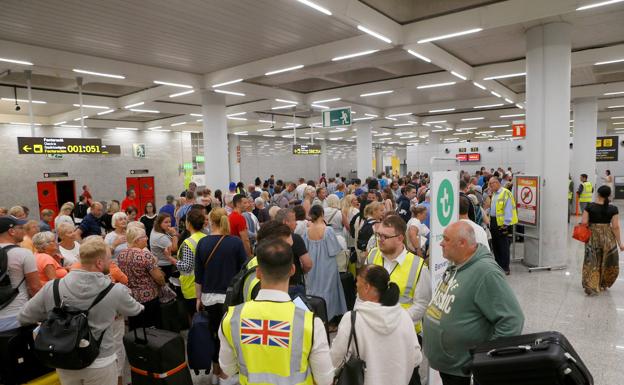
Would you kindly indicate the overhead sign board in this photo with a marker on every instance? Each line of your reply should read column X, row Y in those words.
column 140, row 171
column 527, row 199
column 445, row 210
column 55, row 174
column 111, row 149
column 607, row 149
column 518, row 128
column 306, row 149
column 472, row 157
column 44, row 146
column 337, row 117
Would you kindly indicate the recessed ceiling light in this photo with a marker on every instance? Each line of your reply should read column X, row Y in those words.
column 23, row 101
column 267, row 121
column 439, row 130
column 227, row 83
column 485, row 132
column 363, row 118
column 163, row 83
column 134, row 105
column 489, row 105
column 264, row 129
column 25, row 124
column 495, row 94
column 600, row 4
column 329, row 100
column 508, row 100
column 511, row 116
column 436, row 121
column 98, row 74
column 145, row 111
column 462, row 77
column 362, row 53
column 441, row 110
column 235, row 118
column 617, row 117
column 436, row 85
column 613, row 93
column 59, row 123
column 71, row 126
column 286, row 101
column 618, row 123
column 284, row 70
column 230, row 92
column 374, row 34
column 314, row 105
column 421, row 57
column 461, row 133
column 619, row 106
column 376, row 93
column 181, row 93
column 479, row 85
column 372, row 115
column 316, row 6
column 469, row 119
column 467, row 128
column 499, row 125
column 401, row 114
column 154, row 128
column 450, row 35
column 520, row 106
column 92, row 106
column 82, row 117
column 197, row 115
column 22, row 62
column 283, row 107
column 505, row 76
column 234, row 114
column 403, row 124
column 127, row 128
column 177, row 124
column 161, row 130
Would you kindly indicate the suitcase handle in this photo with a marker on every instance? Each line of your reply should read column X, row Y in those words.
column 136, row 337
column 509, row 350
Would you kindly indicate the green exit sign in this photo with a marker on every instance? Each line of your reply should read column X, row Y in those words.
column 199, row 159
column 337, row 117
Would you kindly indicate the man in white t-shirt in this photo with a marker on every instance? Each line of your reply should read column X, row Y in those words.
column 22, row 268
column 301, row 188
column 480, row 234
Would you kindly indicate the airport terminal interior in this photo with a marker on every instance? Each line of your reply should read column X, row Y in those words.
column 513, row 108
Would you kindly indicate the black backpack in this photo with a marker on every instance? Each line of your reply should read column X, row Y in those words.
column 366, row 232
column 235, row 293
column 65, row 340
column 7, row 292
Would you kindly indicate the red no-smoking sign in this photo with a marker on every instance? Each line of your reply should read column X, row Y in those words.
column 526, row 195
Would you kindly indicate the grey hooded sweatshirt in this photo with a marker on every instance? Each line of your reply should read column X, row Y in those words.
column 78, row 289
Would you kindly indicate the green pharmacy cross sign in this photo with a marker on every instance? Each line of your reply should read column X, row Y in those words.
column 337, row 117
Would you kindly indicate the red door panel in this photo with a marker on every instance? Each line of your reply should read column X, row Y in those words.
column 146, row 187
column 132, row 184
column 46, row 195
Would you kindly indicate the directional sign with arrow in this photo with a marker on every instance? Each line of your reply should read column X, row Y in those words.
column 44, row 146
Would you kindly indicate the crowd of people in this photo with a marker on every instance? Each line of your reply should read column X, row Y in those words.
column 331, row 238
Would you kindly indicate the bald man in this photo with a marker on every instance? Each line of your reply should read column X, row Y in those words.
column 92, row 223
column 473, row 304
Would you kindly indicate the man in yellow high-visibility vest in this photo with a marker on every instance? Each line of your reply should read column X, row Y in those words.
column 503, row 215
column 270, row 340
column 584, row 193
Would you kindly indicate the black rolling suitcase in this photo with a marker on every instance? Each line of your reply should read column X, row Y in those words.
column 157, row 357
column 18, row 361
column 537, row 359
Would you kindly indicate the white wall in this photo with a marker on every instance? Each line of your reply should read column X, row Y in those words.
column 105, row 174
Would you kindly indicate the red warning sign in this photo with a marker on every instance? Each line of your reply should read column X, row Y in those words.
column 527, row 202
column 518, row 128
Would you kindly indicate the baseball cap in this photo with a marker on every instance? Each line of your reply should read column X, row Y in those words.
column 232, row 185
column 8, row 222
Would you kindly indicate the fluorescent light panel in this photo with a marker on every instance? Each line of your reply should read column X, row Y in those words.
column 441, row 110
column 319, row 106
column 462, row 77
column 374, row 34
column 127, row 128
column 401, row 114
column 436, row 121
column 266, row 121
column 182, row 93
column 25, row 124
column 479, row 85
column 436, row 85
column 495, row 94
column 235, row 118
column 505, row 76
column 23, row 101
column 286, row 101
column 283, row 107
column 619, row 106
column 227, row 83
column 279, row 71
column 134, row 105
column 376, row 93
column 489, row 105
column 357, row 54
column 316, row 6
column 92, row 106
column 177, row 124
column 511, row 116
column 235, row 114
column 600, row 4
column 613, row 93
column 163, row 83
column 145, row 111
column 77, row 70
column 499, row 125
column 327, row 101
column 22, row 62
column 229, row 92
column 421, row 57
column 450, row 35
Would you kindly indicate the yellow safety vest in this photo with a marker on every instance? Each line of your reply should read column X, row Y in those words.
column 250, row 281
column 406, row 276
column 272, row 341
column 586, row 195
column 570, row 195
column 501, row 202
column 187, row 280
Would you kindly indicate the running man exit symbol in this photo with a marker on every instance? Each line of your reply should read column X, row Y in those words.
column 344, row 119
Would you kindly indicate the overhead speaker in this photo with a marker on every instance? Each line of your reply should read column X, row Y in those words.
column 490, row 148
column 622, row 143
column 572, row 145
column 446, row 150
column 519, row 147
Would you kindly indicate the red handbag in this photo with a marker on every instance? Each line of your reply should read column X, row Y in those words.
column 581, row 233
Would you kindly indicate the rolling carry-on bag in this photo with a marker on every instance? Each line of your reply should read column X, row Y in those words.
column 18, row 361
column 537, row 359
column 157, row 357
column 200, row 345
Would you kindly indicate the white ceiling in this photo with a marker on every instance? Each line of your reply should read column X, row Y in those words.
column 203, row 42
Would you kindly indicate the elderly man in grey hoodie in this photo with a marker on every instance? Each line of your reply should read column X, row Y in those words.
column 78, row 289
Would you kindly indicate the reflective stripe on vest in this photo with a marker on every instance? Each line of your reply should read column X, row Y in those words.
column 501, row 202
column 586, row 195
column 407, row 284
column 187, row 280
column 272, row 360
column 250, row 281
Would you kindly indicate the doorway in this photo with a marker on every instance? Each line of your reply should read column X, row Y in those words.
column 52, row 195
column 144, row 188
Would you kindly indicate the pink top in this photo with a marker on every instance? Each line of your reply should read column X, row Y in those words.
column 44, row 260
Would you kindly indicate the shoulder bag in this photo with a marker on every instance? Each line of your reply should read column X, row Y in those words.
column 352, row 370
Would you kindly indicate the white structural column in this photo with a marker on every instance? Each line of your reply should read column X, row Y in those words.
column 548, row 114
column 585, row 113
column 364, row 150
column 379, row 166
column 323, row 157
column 602, row 128
column 215, row 140
column 234, row 161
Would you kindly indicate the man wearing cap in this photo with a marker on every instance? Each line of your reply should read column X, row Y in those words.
column 169, row 208
column 22, row 271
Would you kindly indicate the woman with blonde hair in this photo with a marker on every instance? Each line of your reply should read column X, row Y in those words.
column 350, row 207
column 333, row 214
column 308, row 196
column 65, row 215
column 30, row 229
column 68, row 247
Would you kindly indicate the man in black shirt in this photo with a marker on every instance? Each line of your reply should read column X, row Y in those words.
column 463, row 189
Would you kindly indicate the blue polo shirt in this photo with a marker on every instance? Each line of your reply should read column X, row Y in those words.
column 90, row 225
column 169, row 209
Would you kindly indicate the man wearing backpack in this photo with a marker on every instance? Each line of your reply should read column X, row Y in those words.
column 79, row 290
column 19, row 278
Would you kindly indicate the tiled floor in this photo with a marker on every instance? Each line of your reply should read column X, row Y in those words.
column 555, row 300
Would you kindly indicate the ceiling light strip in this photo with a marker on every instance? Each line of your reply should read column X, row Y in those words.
column 163, row 83
column 80, row 71
column 450, row 35
column 356, row 54
column 279, row 71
